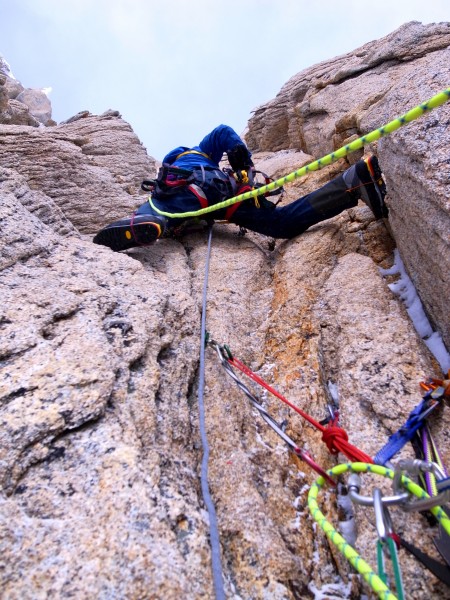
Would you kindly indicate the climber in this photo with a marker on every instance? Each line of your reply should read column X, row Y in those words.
column 191, row 178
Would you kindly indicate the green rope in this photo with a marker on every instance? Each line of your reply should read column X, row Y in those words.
column 375, row 582
column 373, row 136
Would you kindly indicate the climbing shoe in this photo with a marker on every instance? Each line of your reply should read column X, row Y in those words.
column 365, row 180
column 140, row 230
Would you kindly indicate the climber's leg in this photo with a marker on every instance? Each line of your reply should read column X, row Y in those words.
column 362, row 180
column 366, row 180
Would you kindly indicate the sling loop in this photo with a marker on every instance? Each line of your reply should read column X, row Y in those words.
column 431, row 453
column 192, row 152
column 438, row 569
column 213, row 526
column 357, row 144
column 401, row 497
column 375, row 582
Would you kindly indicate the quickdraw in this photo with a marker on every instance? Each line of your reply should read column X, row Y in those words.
column 438, row 494
column 334, row 436
column 256, row 402
column 404, row 489
column 434, row 480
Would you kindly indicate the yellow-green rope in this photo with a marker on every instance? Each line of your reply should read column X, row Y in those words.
column 373, row 136
column 375, row 582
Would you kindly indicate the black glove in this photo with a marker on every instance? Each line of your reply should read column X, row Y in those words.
column 239, row 158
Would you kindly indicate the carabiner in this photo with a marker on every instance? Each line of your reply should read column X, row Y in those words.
column 383, row 520
column 413, row 468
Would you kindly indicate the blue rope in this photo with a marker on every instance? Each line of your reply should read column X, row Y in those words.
column 213, row 527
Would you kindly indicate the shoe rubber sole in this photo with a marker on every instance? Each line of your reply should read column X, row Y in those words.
column 373, row 193
column 124, row 237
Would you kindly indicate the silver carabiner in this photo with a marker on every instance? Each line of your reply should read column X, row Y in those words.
column 383, row 520
column 413, row 468
column 354, row 485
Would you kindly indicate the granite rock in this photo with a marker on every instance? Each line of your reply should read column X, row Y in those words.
column 100, row 445
column 38, row 104
column 330, row 104
column 91, row 168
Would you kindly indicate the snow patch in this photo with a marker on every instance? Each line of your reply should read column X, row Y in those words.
column 330, row 591
column 6, row 69
column 404, row 288
column 334, row 392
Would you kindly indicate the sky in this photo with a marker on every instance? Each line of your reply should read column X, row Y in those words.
column 175, row 69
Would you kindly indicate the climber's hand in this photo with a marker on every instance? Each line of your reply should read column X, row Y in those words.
column 239, row 158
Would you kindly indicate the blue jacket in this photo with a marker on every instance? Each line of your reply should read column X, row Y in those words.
column 221, row 139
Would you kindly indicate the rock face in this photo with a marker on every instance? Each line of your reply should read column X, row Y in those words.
column 100, row 448
column 13, row 112
column 331, row 103
column 19, row 111
column 38, row 104
column 20, row 106
column 91, row 168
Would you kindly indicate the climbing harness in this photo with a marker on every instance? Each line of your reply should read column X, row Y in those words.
column 357, row 144
column 279, row 429
column 404, row 490
column 207, row 184
column 213, row 526
column 333, row 435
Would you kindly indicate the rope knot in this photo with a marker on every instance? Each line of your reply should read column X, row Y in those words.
column 331, row 434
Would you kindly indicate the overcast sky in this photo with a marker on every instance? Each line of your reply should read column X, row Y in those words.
column 175, row 69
